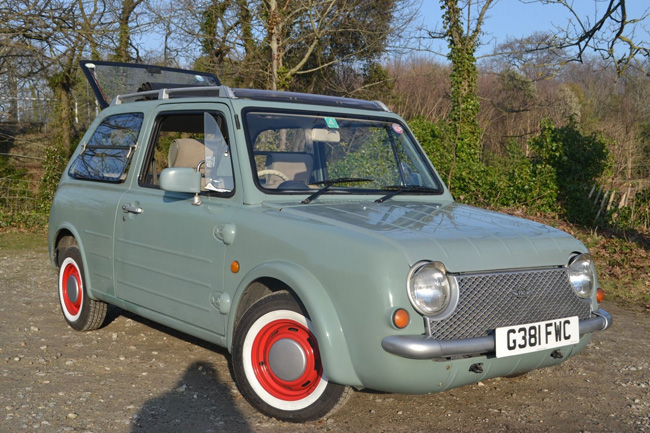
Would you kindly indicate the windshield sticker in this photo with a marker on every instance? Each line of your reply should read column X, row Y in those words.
column 331, row 123
column 397, row 128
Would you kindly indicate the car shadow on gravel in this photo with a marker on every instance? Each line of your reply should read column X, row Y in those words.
column 199, row 401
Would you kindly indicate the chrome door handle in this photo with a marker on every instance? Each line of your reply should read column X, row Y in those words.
column 127, row 208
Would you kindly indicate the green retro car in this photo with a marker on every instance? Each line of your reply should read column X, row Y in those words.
column 311, row 237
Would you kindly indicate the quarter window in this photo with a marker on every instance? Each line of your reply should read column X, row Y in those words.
column 105, row 157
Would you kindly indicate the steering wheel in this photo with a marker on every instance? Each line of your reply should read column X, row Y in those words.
column 270, row 172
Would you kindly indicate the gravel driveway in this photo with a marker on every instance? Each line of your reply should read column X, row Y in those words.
column 137, row 376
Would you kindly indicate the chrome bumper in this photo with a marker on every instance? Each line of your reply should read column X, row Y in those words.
column 423, row 347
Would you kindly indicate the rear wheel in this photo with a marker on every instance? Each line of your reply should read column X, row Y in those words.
column 276, row 362
column 81, row 312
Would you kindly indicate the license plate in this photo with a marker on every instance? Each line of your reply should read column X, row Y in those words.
column 533, row 337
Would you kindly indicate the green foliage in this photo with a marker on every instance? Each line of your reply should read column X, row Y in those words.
column 642, row 168
column 576, row 161
column 433, row 139
column 636, row 216
column 212, row 16
column 284, row 78
column 468, row 178
column 7, row 169
column 556, row 177
column 56, row 158
column 355, row 34
column 520, row 182
column 24, row 220
column 369, row 157
column 377, row 83
column 16, row 196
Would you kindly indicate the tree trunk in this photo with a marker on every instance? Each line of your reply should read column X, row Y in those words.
column 250, row 50
column 274, row 35
column 13, row 96
column 65, row 111
column 124, row 36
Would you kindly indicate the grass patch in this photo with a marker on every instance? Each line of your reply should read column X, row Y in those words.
column 20, row 240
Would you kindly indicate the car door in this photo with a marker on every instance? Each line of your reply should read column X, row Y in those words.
column 91, row 188
column 168, row 255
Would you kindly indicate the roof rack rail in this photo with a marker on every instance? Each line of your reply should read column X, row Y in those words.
column 253, row 94
column 168, row 93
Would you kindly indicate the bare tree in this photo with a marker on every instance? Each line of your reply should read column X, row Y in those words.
column 421, row 88
column 308, row 36
column 48, row 37
column 25, row 28
column 279, row 44
column 535, row 56
column 612, row 33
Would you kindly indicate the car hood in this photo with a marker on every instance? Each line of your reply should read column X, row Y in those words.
column 464, row 238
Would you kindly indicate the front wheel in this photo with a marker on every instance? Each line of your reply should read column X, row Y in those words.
column 276, row 362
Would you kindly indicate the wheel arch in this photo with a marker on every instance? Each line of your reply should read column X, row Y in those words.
column 63, row 236
column 275, row 276
column 64, row 239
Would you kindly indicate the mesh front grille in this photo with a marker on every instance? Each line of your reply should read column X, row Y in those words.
column 489, row 301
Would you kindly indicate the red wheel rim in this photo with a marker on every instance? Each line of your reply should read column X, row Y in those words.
column 72, row 272
column 308, row 381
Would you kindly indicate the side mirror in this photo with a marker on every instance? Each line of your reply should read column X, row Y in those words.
column 180, row 179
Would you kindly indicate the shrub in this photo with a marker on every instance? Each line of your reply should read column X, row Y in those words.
column 563, row 166
column 521, row 183
column 56, row 159
column 575, row 161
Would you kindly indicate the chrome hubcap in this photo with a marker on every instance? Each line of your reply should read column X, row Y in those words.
column 72, row 289
column 287, row 359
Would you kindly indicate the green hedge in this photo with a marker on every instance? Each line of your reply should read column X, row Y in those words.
column 556, row 176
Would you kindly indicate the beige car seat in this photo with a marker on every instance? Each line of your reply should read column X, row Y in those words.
column 187, row 152
column 296, row 166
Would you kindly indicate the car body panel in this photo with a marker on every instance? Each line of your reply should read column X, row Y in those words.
column 463, row 237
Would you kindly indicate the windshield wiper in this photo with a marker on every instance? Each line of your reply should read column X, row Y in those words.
column 401, row 189
column 329, row 183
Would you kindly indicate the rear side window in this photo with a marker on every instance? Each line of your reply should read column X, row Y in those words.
column 105, row 157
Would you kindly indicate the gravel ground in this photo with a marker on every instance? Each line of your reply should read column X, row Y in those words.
column 137, row 376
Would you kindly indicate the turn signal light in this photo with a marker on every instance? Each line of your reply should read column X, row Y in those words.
column 400, row 318
column 600, row 295
column 234, row 267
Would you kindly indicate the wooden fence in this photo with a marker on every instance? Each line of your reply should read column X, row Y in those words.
column 618, row 200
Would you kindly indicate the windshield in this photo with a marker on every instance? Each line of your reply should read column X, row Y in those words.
column 335, row 154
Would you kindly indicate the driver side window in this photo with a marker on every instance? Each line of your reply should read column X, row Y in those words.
column 180, row 141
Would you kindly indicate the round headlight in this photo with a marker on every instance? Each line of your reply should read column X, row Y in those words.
column 429, row 289
column 581, row 275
